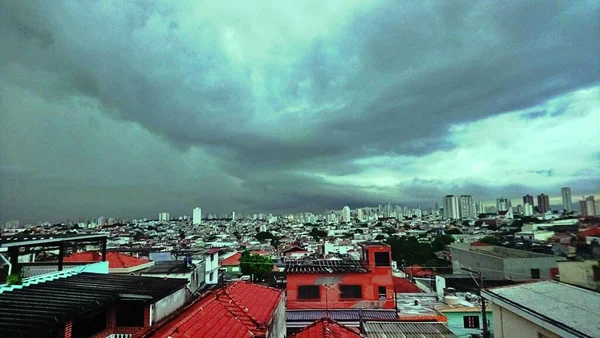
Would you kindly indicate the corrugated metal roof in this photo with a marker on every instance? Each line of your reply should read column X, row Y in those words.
column 344, row 315
column 407, row 330
column 324, row 266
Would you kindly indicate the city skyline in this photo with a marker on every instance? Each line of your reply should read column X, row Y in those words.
column 130, row 109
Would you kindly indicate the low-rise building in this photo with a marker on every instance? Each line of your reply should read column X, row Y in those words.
column 345, row 283
column 239, row 309
column 496, row 262
column 546, row 309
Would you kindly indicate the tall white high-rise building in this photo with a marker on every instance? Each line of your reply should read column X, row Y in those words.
column 197, row 216
column 360, row 215
column 566, row 199
column 346, row 214
column 588, row 206
column 467, row 206
column 527, row 209
column 233, row 216
column 479, row 207
column 164, row 217
column 503, row 204
column 451, row 209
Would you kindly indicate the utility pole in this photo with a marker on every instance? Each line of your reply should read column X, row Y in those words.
column 486, row 332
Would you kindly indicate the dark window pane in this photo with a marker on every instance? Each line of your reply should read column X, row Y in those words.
column 309, row 292
column 381, row 292
column 350, row 291
column 471, row 322
column 382, row 259
column 535, row 273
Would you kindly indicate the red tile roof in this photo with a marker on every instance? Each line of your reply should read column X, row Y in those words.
column 115, row 260
column 403, row 285
column 238, row 310
column 593, row 232
column 326, row 328
column 232, row 260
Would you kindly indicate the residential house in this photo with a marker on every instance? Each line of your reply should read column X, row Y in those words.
column 496, row 262
column 327, row 328
column 182, row 269
column 340, row 284
column 118, row 263
column 545, row 309
column 239, row 309
column 74, row 304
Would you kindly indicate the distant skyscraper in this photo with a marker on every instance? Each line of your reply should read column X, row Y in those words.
column 451, row 209
column 197, row 216
column 528, row 199
column 360, row 214
column 467, row 206
column 101, row 220
column 543, row 203
column 346, row 214
column 479, row 208
column 503, row 204
column 233, row 216
column 588, row 206
column 164, row 217
column 527, row 209
column 566, row 199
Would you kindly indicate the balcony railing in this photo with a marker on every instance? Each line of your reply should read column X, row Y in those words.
column 120, row 335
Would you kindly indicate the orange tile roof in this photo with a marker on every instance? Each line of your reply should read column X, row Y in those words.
column 326, row 328
column 238, row 310
column 115, row 260
column 403, row 285
column 232, row 260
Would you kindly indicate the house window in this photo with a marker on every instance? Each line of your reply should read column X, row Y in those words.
column 350, row 291
column 535, row 273
column 235, row 269
column 381, row 292
column 382, row 259
column 471, row 322
column 596, row 270
column 309, row 292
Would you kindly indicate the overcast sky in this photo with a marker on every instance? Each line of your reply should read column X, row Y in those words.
column 127, row 109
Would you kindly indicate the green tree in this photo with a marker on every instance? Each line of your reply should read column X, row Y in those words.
column 380, row 237
column 255, row 264
column 316, row 233
column 237, row 235
column 453, row 231
column 410, row 250
column 440, row 242
column 264, row 235
column 491, row 240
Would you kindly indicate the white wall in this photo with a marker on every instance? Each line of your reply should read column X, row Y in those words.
column 211, row 269
column 277, row 328
column 168, row 305
column 507, row 324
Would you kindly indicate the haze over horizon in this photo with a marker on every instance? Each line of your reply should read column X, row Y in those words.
column 133, row 108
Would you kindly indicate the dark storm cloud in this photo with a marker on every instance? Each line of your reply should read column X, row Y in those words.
column 272, row 102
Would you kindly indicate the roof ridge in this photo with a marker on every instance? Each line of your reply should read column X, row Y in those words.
column 237, row 306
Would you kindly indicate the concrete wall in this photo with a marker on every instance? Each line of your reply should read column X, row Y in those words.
column 579, row 273
column 507, row 324
column 168, row 305
column 520, row 268
column 494, row 266
column 211, row 269
column 277, row 327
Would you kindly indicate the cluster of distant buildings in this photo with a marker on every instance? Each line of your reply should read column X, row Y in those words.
column 465, row 206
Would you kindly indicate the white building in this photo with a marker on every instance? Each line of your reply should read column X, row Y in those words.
column 451, row 209
column 164, row 217
column 527, row 209
column 566, row 198
column 197, row 216
column 544, row 309
column 502, row 204
column 467, row 207
column 346, row 214
column 211, row 267
column 360, row 215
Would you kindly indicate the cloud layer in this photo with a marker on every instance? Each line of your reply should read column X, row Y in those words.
column 130, row 108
